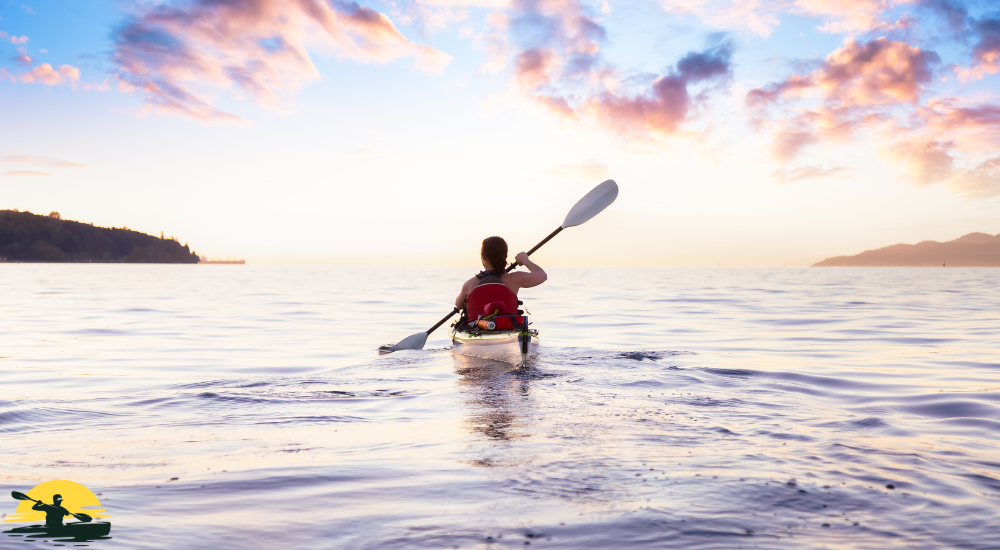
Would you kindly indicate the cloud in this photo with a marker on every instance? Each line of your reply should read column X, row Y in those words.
column 41, row 161
column 22, row 59
column 929, row 162
column 925, row 161
column 49, row 76
column 953, row 13
column 878, row 72
column 15, row 40
column 982, row 182
column 670, row 103
column 25, row 173
column 19, row 40
column 793, row 175
column 555, row 51
column 590, row 170
column 876, row 87
column 986, row 52
column 758, row 16
column 975, row 125
column 857, row 86
column 762, row 16
column 363, row 152
column 174, row 54
column 952, row 116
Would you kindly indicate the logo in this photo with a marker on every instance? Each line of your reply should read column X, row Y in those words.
column 61, row 510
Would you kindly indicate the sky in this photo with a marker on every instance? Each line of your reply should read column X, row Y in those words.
column 740, row 132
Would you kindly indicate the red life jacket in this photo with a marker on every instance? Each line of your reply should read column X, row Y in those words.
column 491, row 295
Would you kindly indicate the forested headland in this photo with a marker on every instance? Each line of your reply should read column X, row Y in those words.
column 27, row 237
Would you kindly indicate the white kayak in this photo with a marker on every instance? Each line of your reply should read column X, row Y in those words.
column 508, row 346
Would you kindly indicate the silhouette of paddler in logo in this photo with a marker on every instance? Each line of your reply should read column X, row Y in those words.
column 54, row 513
column 78, row 498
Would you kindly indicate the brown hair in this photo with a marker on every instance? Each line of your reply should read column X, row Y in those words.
column 495, row 253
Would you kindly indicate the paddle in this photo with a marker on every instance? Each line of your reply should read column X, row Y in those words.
column 22, row 496
column 592, row 204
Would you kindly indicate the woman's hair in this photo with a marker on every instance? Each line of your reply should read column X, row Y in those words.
column 495, row 253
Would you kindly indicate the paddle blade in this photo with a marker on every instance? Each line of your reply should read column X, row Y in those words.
column 415, row 341
column 82, row 517
column 592, row 204
column 20, row 496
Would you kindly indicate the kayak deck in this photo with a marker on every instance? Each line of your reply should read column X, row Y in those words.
column 508, row 346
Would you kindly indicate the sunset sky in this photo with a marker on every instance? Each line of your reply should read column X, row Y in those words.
column 740, row 132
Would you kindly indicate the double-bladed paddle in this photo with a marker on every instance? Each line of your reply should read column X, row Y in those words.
column 590, row 205
column 22, row 496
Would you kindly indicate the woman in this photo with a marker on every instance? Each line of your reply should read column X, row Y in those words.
column 494, row 256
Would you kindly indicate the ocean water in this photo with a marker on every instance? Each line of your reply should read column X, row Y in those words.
column 669, row 408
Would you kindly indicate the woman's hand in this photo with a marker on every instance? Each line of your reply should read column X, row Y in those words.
column 521, row 258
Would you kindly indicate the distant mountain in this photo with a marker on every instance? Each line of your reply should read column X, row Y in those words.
column 972, row 250
column 26, row 237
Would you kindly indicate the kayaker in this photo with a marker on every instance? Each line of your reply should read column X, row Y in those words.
column 494, row 257
column 54, row 513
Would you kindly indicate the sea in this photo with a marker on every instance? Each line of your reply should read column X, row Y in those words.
column 247, row 407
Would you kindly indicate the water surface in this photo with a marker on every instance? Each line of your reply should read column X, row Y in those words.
column 687, row 408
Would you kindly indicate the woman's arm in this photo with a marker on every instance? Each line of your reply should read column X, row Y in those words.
column 535, row 276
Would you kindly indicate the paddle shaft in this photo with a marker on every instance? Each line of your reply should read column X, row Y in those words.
column 443, row 321
column 537, row 246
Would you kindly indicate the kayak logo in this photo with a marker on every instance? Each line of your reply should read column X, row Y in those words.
column 62, row 510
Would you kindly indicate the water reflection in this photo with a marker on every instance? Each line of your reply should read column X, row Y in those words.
column 498, row 399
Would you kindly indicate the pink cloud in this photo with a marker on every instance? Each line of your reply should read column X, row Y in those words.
column 930, row 162
column 174, row 54
column 13, row 39
column 876, row 87
column 762, row 16
column 858, row 74
column 857, row 87
column 40, row 160
column 661, row 111
column 986, row 53
column 925, row 161
column 555, row 46
column 23, row 60
column 590, row 170
column 981, row 182
column 976, row 126
column 25, row 173
column 789, row 143
column 49, row 76
column 803, row 173
column 533, row 68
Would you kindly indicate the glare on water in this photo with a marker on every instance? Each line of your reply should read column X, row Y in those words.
column 689, row 408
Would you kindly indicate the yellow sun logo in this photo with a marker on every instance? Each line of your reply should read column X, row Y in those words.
column 76, row 498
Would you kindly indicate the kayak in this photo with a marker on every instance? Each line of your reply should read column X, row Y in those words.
column 77, row 530
column 516, row 347
column 493, row 327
